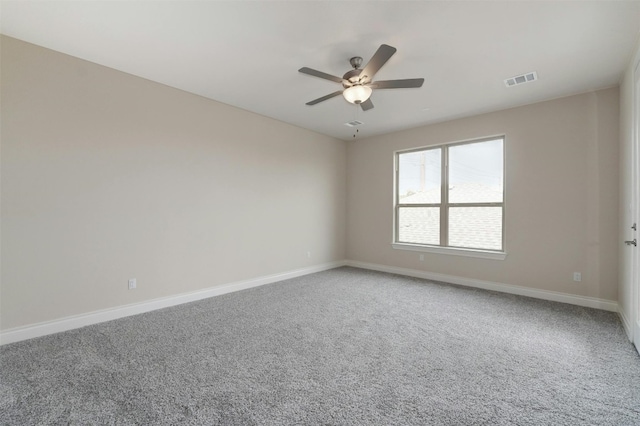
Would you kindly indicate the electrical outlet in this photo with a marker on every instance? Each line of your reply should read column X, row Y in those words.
column 577, row 276
column 309, row 254
column 422, row 258
column 132, row 283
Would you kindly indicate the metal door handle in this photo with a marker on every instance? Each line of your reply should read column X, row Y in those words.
column 632, row 243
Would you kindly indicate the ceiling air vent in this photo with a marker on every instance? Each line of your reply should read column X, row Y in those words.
column 520, row 79
column 353, row 123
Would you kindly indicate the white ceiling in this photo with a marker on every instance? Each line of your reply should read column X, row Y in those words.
column 247, row 54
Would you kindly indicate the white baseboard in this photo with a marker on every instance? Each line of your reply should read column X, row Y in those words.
column 625, row 323
column 589, row 302
column 77, row 321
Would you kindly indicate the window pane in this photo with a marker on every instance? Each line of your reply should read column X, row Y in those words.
column 475, row 227
column 419, row 177
column 475, row 172
column 420, row 225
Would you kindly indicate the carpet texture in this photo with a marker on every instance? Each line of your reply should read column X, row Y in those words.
column 340, row 347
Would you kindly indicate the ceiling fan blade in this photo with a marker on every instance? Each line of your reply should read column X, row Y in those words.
column 366, row 105
column 320, row 74
column 380, row 58
column 324, row 98
column 397, row 84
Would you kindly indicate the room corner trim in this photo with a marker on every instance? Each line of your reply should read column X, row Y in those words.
column 589, row 302
column 76, row 321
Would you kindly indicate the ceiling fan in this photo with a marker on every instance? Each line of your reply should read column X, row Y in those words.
column 358, row 83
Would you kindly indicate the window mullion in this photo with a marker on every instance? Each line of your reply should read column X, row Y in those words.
column 444, row 195
column 478, row 204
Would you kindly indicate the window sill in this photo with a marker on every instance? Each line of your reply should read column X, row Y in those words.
column 482, row 254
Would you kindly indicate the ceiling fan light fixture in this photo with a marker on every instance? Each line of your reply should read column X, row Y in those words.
column 357, row 94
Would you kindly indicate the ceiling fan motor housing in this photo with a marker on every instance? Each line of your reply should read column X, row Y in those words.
column 351, row 77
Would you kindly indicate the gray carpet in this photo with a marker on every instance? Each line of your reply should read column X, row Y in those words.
column 340, row 347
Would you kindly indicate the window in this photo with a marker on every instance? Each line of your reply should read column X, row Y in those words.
column 451, row 196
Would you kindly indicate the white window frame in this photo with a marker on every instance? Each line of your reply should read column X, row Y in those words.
column 444, row 205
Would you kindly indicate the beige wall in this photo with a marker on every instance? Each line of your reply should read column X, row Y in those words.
column 561, row 196
column 106, row 176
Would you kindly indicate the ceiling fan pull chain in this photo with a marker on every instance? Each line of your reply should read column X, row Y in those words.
column 355, row 119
